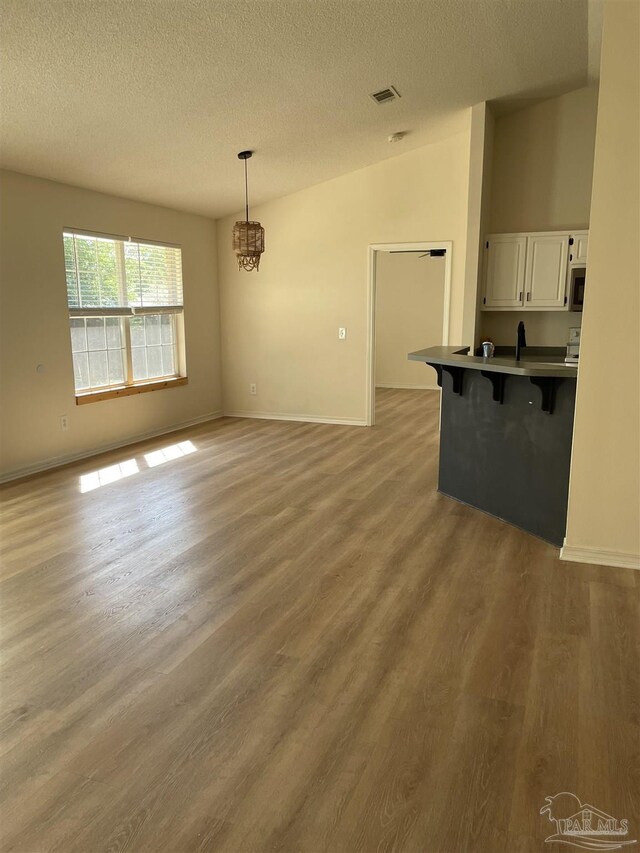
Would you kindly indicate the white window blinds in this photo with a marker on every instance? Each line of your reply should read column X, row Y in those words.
column 116, row 276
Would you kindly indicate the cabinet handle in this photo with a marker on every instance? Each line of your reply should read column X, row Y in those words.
column 521, row 295
column 529, row 296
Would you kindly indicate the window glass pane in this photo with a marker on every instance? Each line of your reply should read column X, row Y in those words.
column 114, row 336
column 80, row 370
column 156, row 272
column 136, row 324
column 139, row 363
column 150, row 356
column 116, row 366
column 99, row 349
column 70, row 268
column 132, row 272
column 102, row 272
column 98, row 370
column 168, row 367
column 152, row 328
column 95, row 334
column 151, row 273
column 78, row 335
column 167, row 329
column 89, row 290
column 108, row 272
column 105, row 271
column 86, row 262
column 154, row 361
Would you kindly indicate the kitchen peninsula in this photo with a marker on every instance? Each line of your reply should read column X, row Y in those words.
column 505, row 433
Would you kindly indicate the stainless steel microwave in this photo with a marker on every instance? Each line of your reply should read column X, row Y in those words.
column 577, row 276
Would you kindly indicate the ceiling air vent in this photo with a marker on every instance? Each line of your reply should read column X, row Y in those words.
column 385, row 96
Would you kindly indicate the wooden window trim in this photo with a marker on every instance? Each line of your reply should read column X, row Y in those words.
column 128, row 390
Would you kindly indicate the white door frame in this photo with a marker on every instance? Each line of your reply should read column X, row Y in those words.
column 371, row 307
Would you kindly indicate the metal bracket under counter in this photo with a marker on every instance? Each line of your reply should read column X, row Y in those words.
column 456, row 374
column 456, row 362
column 546, row 384
column 497, row 380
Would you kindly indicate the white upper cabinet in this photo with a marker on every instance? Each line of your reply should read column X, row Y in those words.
column 545, row 278
column 504, row 271
column 578, row 249
column 531, row 271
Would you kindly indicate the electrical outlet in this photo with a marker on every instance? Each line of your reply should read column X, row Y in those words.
column 253, row 388
column 64, row 423
column 342, row 334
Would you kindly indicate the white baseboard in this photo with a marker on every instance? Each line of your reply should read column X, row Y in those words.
column 58, row 461
column 407, row 387
column 600, row 557
column 310, row 419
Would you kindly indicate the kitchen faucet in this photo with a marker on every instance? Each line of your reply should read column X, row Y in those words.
column 521, row 341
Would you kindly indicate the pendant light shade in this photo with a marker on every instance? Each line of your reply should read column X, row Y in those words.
column 248, row 244
column 248, row 236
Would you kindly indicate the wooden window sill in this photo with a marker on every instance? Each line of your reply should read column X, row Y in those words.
column 127, row 390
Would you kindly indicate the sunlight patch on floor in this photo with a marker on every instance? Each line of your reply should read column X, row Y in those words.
column 166, row 454
column 113, row 473
column 104, row 476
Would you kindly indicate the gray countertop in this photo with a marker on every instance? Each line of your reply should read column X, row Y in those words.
column 530, row 364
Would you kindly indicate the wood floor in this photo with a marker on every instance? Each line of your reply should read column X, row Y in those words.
column 286, row 640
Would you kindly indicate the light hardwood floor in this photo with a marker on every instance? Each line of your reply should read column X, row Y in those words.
column 287, row 640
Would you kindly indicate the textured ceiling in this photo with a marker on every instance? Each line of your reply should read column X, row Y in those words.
column 153, row 100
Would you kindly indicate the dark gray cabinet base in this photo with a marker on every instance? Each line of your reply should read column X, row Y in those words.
column 510, row 458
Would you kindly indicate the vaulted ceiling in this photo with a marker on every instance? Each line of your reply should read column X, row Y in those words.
column 152, row 99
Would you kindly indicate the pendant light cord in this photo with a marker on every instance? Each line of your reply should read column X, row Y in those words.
column 246, row 192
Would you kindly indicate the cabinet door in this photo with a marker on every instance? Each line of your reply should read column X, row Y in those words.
column 546, row 271
column 504, row 271
column 578, row 251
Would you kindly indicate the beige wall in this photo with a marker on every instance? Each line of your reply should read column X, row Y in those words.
column 544, row 328
column 604, row 501
column 543, row 165
column 541, row 175
column 35, row 328
column 478, row 206
column 280, row 325
column 409, row 309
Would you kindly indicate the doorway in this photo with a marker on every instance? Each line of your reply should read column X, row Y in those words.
column 409, row 302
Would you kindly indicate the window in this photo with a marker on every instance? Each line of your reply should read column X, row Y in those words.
column 125, row 313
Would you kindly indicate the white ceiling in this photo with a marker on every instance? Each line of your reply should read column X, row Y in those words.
column 152, row 99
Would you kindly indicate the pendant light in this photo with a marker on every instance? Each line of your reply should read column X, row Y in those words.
column 248, row 237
